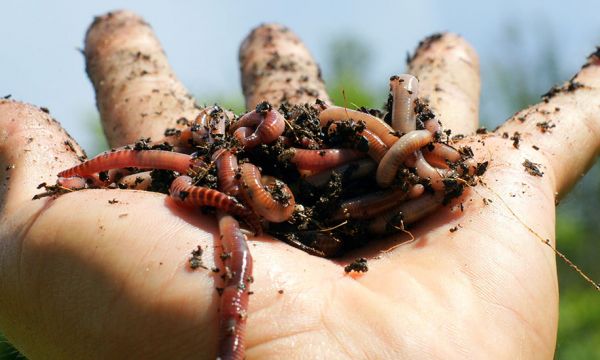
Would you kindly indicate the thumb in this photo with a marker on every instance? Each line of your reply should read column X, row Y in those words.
column 33, row 149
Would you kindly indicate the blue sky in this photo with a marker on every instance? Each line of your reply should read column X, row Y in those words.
column 39, row 61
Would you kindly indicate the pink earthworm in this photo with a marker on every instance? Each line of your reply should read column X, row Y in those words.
column 435, row 175
column 433, row 126
column 440, row 154
column 234, row 297
column 318, row 160
column 183, row 192
column 376, row 125
column 355, row 170
column 156, row 159
column 404, row 90
column 398, row 153
column 72, row 183
column 405, row 214
column 370, row 205
column 377, row 148
column 227, row 167
column 269, row 124
column 217, row 124
column 275, row 202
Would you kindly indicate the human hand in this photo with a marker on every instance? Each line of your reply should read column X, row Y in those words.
column 84, row 276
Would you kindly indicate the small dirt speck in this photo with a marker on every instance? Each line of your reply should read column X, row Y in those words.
column 532, row 168
column 358, row 265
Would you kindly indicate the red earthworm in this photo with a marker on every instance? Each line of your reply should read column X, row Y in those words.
column 377, row 148
column 318, row 160
column 353, row 170
column 404, row 89
column 269, row 124
column 405, row 214
column 227, row 167
column 193, row 196
column 370, row 205
column 275, row 202
column 408, row 144
column 156, row 159
column 436, row 176
column 376, row 125
column 234, row 298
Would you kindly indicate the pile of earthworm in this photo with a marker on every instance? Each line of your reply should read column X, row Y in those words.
column 317, row 176
column 322, row 178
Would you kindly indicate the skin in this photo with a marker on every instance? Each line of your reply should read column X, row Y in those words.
column 85, row 278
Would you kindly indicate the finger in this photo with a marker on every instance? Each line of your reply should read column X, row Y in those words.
column 448, row 71
column 277, row 67
column 33, row 149
column 565, row 127
column 137, row 93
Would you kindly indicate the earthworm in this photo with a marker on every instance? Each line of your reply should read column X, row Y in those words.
column 234, row 298
column 376, row 125
column 269, row 124
column 433, row 126
column 194, row 133
column 377, row 148
column 368, row 206
column 440, row 154
column 227, row 167
column 190, row 195
column 321, row 243
column 353, row 170
column 405, row 214
column 275, row 202
column 404, row 89
column 156, row 159
column 217, row 124
column 408, row 144
column 318, row 160
column 435, row 175
column 72, row 183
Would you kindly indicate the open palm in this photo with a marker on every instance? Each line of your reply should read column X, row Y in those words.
column 103, row 273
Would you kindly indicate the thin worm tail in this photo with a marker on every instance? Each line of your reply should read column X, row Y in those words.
column 156, row 159
column 190, row 195
column 398, row 153
column 233, row 310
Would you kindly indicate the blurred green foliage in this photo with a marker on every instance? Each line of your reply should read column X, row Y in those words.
column 514, row 82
